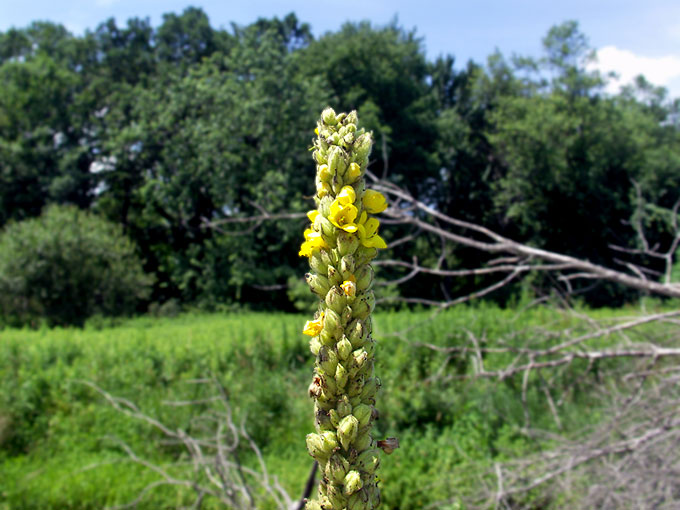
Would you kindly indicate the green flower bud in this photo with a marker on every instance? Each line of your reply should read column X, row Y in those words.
column 369, row 347
column 352, row 483
column 335, row 496
column 355, row 386
column 335, row 417
column 360, row 308
column 347, row 430
column 334, row 157
column 315, row 345
column 347, row 267
column 344, row 348
column 344, row 407
column 351, row 118
column 329, row 386
column 318, row 284
column 316, row 446
column 317, row 264
column 335, row 299
column 327, row 337
column 324, row 226
column 334, row 276
column 356, row 333
column 360, row 500
column 362, row 413
column 337, row 468
column 368, row 461
column 370, row 389
column 364, row 276
column 362, row 146
column 359, row 357
column 341, row 375
column 347, row 243
column 325, row 208
column 328, row 360
column 363, row 441
column 323, row 421
column 329, row 117
column 312, row 505
column 331, row 321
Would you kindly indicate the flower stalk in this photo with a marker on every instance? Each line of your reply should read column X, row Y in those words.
column 340, row 243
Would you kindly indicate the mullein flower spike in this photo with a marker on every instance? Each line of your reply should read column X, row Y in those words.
column 340, row 242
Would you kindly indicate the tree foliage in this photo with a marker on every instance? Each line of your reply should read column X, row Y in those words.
column 65, row 266
column 170, row 131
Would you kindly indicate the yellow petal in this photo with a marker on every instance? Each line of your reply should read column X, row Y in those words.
column 374, row 201
column 347, row 195
column 312, row 215
column 353, row 172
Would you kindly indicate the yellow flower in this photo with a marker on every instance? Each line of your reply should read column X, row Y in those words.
column 323, row 189
column 313, row 242
column 350, row 286
column 374, row 201
column 312, row 215
column 313, row 328
column 346, row 196
column 367, row 229
column 343, row 216
column 353, row 172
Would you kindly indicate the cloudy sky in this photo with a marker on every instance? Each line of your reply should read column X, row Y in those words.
column 631, row 36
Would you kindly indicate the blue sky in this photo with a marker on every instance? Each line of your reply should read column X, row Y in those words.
column 631, row 37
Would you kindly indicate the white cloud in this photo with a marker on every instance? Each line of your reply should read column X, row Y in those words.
column 627, row 65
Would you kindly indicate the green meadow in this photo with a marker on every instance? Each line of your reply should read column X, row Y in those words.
column 61, row 442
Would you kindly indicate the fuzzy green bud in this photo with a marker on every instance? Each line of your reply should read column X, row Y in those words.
column 318, row 284
column 321, row 446
column 356, row 333
column 329, row 117
column 334, row 417
column 341, row 375
column 347, row 267
column 347, row 430
column 362, row 413
column 317, row 264
column 362, row 146
column 337, row 468
column 331, row 321
column 362, row 441
column 315, row 345
column 364, row 276
column 334, row 276
column 368, row 461
column 360, row 500
column 328, row 359
column 313, row 505
column 347, row 243
column 344, row 407
column 335, row 299
column 344, row 348
column 370, row 389
column 352, row 483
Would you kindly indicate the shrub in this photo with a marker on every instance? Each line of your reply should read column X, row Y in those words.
column 65, row 266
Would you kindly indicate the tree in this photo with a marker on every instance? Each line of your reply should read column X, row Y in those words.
column 65, row 266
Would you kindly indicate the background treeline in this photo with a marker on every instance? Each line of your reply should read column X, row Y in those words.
column 165, row 131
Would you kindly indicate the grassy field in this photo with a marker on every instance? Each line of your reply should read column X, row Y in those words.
column 60, row 441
